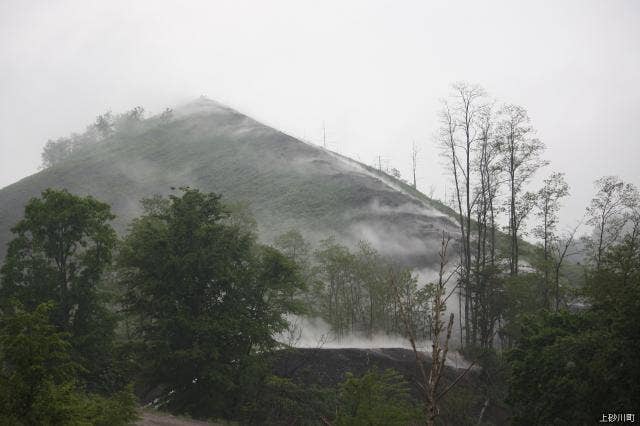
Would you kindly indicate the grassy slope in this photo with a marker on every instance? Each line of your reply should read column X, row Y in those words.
column 288, row 183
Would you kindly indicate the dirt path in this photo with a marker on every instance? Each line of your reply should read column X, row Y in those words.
column 161, row 419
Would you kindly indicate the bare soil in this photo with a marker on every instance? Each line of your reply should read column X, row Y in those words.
column 151, row 418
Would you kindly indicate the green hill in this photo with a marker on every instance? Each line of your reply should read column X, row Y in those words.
column 287, row 183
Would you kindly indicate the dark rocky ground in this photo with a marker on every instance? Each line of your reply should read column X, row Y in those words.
column 328, row 367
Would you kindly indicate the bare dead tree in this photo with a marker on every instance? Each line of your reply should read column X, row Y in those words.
column 414, row 161
column 440, row 330
column 432, row 190
column 468, row 111
column 447, row 141
column 484, row 314
column 324, row 136
column 460, row 120
column 439, row 348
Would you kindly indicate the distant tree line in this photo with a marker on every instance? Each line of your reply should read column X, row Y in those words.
column 350, row 288
column 105, row 126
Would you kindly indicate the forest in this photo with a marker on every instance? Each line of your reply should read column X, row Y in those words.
column 190, row 305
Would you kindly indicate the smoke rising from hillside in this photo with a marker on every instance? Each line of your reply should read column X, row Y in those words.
column 316, row 333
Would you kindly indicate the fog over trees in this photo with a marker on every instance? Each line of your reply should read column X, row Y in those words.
column 319, row 213
column 188, row 305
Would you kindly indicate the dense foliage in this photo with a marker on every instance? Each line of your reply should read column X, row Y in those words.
column 204, row 300
column 349, row 288
column 61, row 249
column 58, row 150
column 38, row 380
column 196, row 303
column 57, row 334
column 376, row 398
column 573, row 367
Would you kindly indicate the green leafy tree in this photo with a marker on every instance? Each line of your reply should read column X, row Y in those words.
column 550, row 376
column 523, row 295
column 36, row 380
column 38, row 377
column 609, row 211
column 56, row 151
column 129, row 120
column 293, row 245
column 59, row 253
column 104, row 125
column 352, row 293
column 206, row 300
column 337, row 294
column 571, row 367
column 376, row 398
column 520, row 157
column 547, row 207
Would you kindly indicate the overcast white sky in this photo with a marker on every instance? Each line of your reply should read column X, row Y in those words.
column 373, row 71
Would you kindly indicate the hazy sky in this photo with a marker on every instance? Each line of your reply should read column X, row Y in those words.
column 372, row 71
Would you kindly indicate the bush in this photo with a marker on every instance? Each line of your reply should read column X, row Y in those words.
column 376, row 399
column 38, row 378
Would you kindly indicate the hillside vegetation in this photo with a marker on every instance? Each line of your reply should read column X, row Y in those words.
column 285, row 183
column 238, row 243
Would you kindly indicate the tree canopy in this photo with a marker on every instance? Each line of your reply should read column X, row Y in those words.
column 205, row 297
column 61, row 248
column 571, row 367
column 56, row 332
